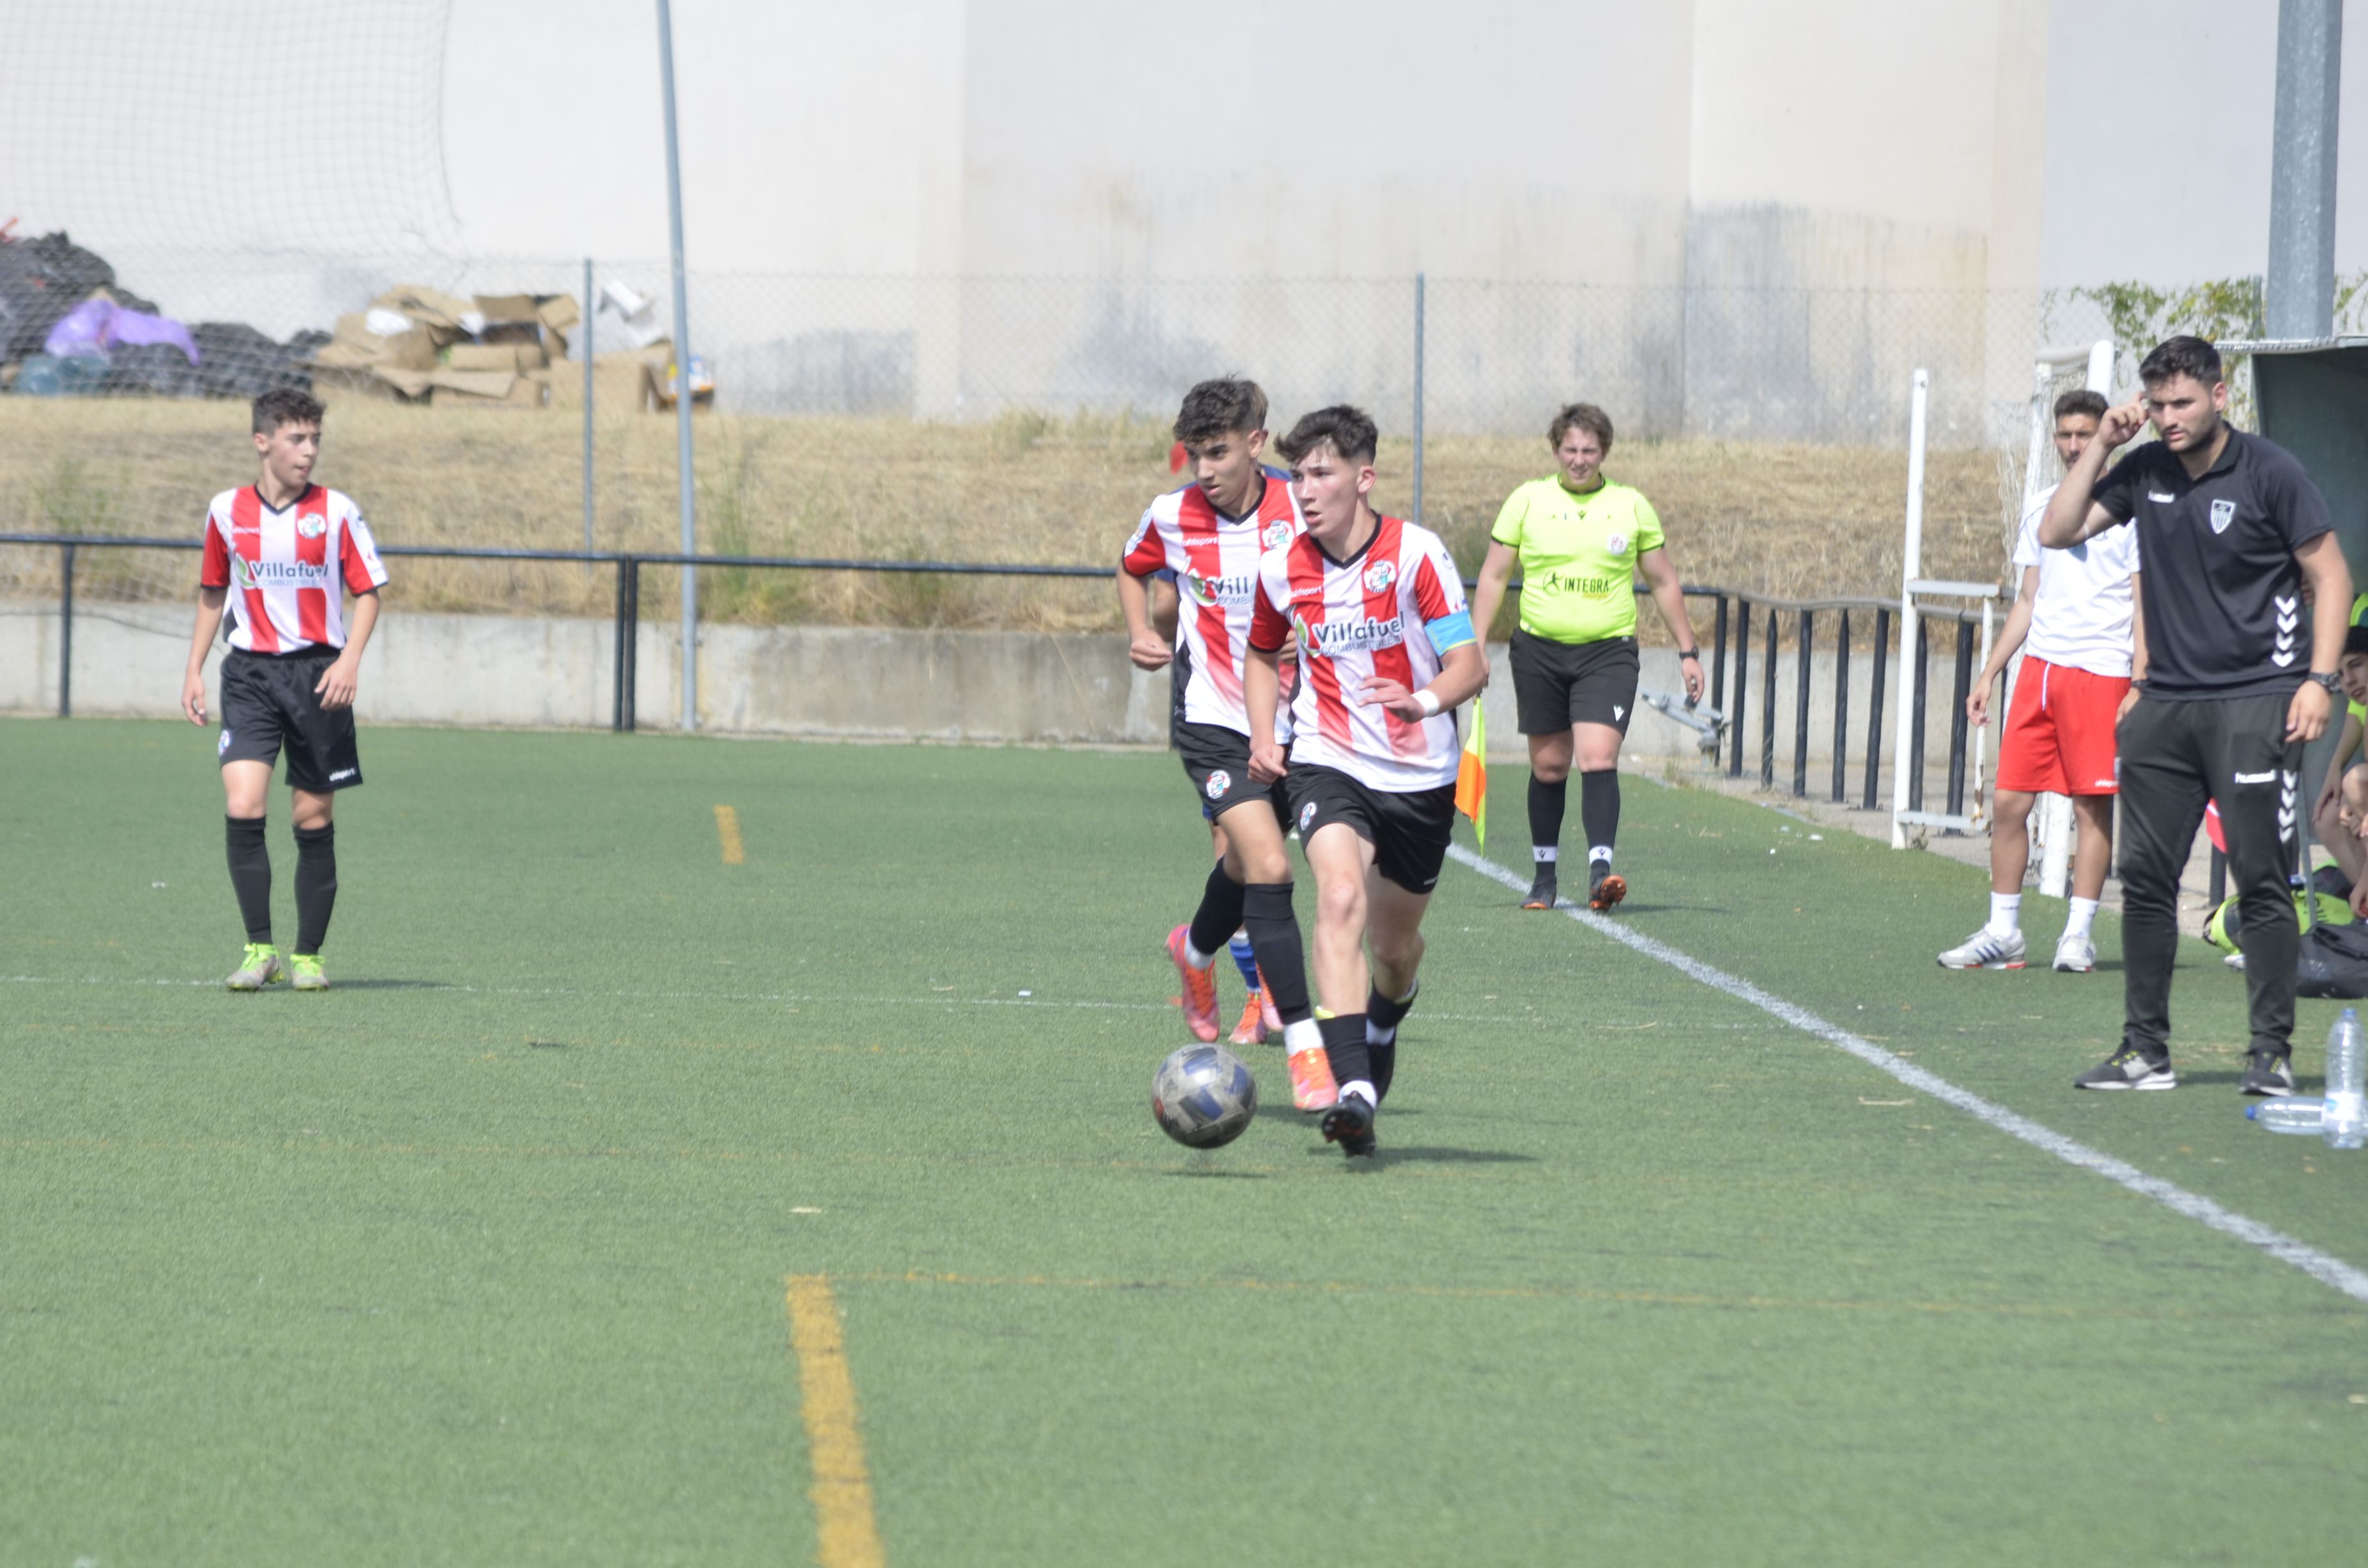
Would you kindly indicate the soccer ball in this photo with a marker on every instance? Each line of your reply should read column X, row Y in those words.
column 1204, row 1097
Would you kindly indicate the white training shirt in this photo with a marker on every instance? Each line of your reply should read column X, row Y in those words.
column 2081, row 618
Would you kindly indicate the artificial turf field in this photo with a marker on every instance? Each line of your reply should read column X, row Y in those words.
column 484, row 1255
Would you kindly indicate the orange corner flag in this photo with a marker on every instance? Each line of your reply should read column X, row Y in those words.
column 1472, row 777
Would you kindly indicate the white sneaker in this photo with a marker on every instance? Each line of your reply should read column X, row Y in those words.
column 2076, row 955
column 2235, row 962
column 1985, row 949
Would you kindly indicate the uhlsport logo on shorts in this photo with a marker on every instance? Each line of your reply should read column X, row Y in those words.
column 222, row 744
column 1306, row 815
column 1380, row 575
column 313, row 525
column 1219, row 782
column 2222, row 514
column 1278, row 533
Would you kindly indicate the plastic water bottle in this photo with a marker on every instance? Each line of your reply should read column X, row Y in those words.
column 2345, row 1116
column 2304, row 1117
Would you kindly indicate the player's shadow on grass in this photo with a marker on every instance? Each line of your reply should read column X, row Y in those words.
column 391, row 985
column 1437, row 1154
column 1211, row 1172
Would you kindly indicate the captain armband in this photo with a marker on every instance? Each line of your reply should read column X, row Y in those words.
column 1450, row 632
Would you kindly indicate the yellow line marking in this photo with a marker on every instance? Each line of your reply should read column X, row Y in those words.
column 847, row 1529
column 727, row 828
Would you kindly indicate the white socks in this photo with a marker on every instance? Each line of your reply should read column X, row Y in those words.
column 2006, row 912
column 2084, row 917
column 1301, row 1036
column 1360, row 1088
column 1600, row 855
column 1544, row 854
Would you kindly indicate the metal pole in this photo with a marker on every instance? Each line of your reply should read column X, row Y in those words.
column 1801, row 710
column 623, row 629
column 1842, row 709
column 2301, row 283
column 630, row 682
column 1959, row 691
column 1768, row 711
column 1742, row 687
column 590, row 312
column 65, row 632
column 1875, row 707
column 1718, row 656
column 1906, row 796
column 682, row 380
column 1417, row 395
column 1915, row 752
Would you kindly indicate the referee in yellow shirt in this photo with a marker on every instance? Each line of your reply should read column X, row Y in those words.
column 1580, row 539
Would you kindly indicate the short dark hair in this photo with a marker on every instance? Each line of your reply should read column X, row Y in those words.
column 285, row 405
column 2181, row 356
column 1348, row 431
column 2355, row 641
column 2080, row 403
column 1220, row 408
column 1580, row 415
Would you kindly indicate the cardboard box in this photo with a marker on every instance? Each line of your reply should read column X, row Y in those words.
column 515, row 358
column 474, row 383
column 558, row 311
column 525, row 392
column 505, row 308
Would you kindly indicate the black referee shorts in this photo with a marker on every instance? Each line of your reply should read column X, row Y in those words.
column 1556, row 685
column 1409, row 832
column 268, row 704
column 1217, row 760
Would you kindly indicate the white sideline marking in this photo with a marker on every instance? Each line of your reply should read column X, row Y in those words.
column 2324, row 1268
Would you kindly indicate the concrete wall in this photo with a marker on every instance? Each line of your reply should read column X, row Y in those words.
column 889, row 685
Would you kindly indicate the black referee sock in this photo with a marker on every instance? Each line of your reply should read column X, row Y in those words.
column 1599, row 810
column 1274, row 937
column 1344, row 1042
column 317, row 884
column 1546, row 804
column 1220, row 914
column 250, row 874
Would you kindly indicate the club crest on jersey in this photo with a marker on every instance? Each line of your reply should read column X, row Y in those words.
column 1219, row 782
column 1278, row 533
column 313, row 525
column 1380, row 575
column 2222, row 514
column 1306, row 815
column 1617, row 544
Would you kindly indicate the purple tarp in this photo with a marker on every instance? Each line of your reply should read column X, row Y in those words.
column 96, row 325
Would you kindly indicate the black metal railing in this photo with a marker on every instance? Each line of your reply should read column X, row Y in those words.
column 1728, row 675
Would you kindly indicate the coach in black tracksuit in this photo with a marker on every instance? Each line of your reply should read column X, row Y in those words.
column 2240, row 674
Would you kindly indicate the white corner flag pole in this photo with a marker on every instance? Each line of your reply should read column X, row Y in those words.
column 682, row 381
column 1911, row 567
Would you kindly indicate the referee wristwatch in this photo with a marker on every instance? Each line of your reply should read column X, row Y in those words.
column 2334, row 683
column 1693, row 654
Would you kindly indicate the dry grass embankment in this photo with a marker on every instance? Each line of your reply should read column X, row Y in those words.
column 1780, row 520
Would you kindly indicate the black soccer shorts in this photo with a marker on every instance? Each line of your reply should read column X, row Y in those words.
column 1217, row 760
column 1409, row 832
column 1556, row 685
column 268, row 704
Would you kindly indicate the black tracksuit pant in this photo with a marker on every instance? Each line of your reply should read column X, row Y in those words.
column 2174, row 758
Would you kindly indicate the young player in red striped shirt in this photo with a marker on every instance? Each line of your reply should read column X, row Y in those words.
column 291, row 550
column 1386, row 654
column 1211, row 534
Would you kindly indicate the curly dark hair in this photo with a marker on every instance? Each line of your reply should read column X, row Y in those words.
column 1584, row 417
column 1220, row 408
column 285, row 405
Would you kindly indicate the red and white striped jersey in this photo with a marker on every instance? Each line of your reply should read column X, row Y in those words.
column 1392, row 610
column 290, row 569
column 1215, row 560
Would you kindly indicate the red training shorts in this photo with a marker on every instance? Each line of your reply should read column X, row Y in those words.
column 2059, row 731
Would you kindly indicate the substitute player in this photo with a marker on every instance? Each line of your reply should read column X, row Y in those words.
column 2237, row 682
column 1580, row 540
column 292, row 550
column 1386, row 654
column 2073, row 618
column 1211, row 533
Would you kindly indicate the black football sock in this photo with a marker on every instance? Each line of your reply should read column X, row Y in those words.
column 1220, row 914
column 250, row 874
column 317, row 884
column 1274, row 937
column 1599, row 811
column 1344, row 1042
column 1546, row 804
column 1383, row 1055
column 1382, row 1019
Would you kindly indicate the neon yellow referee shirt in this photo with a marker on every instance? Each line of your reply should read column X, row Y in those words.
column 1579, row 557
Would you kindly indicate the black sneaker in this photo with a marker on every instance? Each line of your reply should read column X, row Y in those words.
column 2129, row 1068
column 2267, row 1072
column 1604, row 886
column 1350, row 1123
column 1542, row 888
